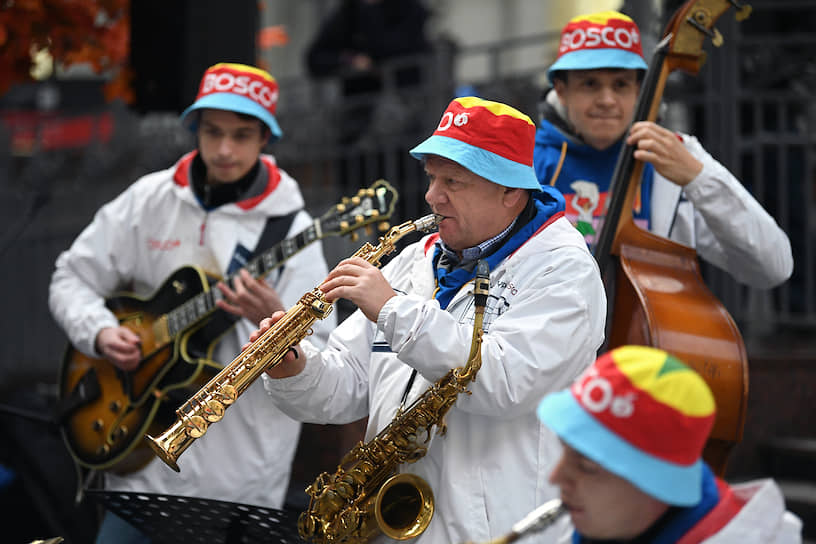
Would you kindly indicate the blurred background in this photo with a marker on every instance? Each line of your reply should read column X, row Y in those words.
column 90, row 93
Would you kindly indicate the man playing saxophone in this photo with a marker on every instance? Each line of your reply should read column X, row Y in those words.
column 542, row 325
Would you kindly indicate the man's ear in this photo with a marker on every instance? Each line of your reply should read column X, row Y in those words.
column 512, row 197
column 560, row 87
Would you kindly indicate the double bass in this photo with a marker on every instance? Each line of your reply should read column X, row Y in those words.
column 657, row 294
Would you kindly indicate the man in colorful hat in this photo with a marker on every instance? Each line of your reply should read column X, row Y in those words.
column 684, row 193
column 633, row 427
column 217, row 208
column 543, row 325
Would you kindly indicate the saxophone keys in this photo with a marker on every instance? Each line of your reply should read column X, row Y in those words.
column 227, row 394
column 306, row 525
column 344, row 490
column 196, row 426
column 213, row 411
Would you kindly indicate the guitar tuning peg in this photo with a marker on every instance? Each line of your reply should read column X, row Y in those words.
column 355, row 200
column 368, row 230
column 354, row 236
column 374, row 213
column 344, row 225
column 359, row 219
column 369, row 192
column 345, row 200
column 383, row 226
column 341, row 208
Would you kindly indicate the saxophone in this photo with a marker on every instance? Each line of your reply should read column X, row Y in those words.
column 210, row 402
column 366, row 495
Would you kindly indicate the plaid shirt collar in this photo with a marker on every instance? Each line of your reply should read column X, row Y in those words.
column 472, row 254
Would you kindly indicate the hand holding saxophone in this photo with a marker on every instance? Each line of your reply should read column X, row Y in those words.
column 362, row 283
column 354, row 279
column 292, row 362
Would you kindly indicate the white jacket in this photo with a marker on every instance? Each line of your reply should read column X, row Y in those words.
column 714, row 213
column 134, row 243
column 762, row 520
column 544, row 323
column 723, row 222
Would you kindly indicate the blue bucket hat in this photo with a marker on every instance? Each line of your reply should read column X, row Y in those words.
column 641, row 414
column 490, row 139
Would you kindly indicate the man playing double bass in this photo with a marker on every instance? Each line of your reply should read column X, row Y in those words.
column 684, row 195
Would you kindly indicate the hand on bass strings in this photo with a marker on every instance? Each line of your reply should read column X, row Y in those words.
column 121, row 346
column 362, row 283
column 664, row 150
column 249, row 297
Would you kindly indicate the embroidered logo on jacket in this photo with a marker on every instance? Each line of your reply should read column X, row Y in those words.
column 163, row 245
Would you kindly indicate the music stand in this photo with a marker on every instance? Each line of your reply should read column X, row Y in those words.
column 171, row 518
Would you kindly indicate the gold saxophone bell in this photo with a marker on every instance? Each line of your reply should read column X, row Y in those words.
column 404, row 506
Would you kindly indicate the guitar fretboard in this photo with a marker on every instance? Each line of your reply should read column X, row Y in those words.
column 201, row 305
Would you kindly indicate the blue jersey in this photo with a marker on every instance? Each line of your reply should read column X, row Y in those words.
column 584, row 179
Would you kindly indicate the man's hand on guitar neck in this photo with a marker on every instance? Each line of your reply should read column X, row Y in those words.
column 121, row 346
column 251, row 298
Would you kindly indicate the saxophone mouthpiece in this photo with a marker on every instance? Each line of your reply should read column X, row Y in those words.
column 540, row 518
column 428, row 222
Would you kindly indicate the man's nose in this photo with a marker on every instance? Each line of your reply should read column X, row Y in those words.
column 558, row 476
column 606, row 95
column 433, row 194
column 225, row 146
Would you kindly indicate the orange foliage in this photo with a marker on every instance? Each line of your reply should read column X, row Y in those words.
column 273, row 36
column 73, row 31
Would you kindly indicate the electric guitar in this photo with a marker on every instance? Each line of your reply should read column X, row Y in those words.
column 104, row 412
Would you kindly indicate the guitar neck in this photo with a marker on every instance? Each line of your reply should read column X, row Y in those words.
column 200, row 306
column 273, row 257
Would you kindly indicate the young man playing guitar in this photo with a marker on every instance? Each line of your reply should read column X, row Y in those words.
column 214, row 209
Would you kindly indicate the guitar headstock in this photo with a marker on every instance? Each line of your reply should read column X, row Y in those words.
column 374, row 204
